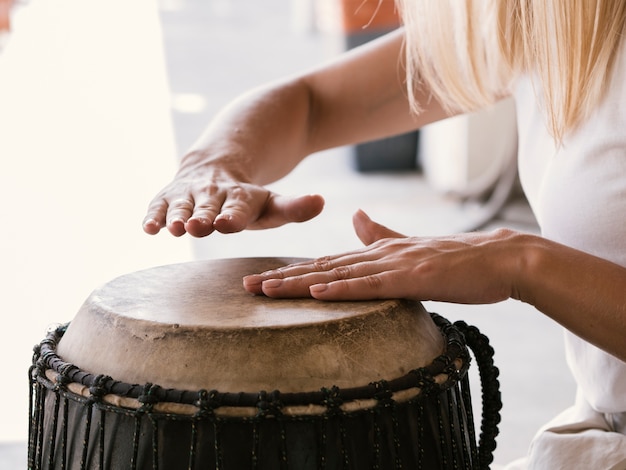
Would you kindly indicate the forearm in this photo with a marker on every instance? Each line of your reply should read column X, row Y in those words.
column 358, row 97
column 261, row 135
column 585, row 294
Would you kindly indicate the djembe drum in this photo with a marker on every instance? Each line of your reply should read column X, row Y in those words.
column 178, row 367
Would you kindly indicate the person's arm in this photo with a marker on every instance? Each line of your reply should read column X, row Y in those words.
column 584, row 293
column 265, row 133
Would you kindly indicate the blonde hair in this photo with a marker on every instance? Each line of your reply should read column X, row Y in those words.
column 468, row 53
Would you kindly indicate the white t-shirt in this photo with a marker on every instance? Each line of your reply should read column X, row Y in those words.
column 578, row 194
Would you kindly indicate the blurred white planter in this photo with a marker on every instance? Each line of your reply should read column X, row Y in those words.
column 467, row 155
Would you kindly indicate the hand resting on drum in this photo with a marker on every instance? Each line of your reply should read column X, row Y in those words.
column 392, row 265
column 471, row 268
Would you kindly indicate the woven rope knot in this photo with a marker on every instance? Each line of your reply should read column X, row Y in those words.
column 207, row 402
column 98, row 389
column 149, row 396
column 332, row 398
column 269, row 403
column 61, row 380
column 66, row 369
column 424, row 381
column 383, row 392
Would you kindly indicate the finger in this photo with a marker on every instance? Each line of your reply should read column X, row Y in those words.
column 362, row 288
column 369, row 231
column 151, row 226
column 253, row 282
column 154, row 220
column 205, row 211
column 178, row 213
column 280, row 210
column 294, row 282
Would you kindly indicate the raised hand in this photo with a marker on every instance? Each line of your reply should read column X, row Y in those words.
column 200, row 205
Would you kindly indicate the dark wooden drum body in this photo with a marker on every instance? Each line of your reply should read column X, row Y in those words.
column 178, row 367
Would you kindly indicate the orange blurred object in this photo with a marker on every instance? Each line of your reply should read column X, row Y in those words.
column 5, row 15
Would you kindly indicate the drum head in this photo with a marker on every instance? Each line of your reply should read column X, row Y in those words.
column 193, row 326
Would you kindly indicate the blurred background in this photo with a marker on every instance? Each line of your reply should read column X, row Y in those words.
column 99, row 99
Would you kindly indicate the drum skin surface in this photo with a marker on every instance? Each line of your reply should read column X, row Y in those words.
column 178, row 367
column 193, row 326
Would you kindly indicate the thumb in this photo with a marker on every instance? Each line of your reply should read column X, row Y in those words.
column 369, row 231
column 281, row 210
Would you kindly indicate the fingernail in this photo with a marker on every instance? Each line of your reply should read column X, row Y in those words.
column 226, row 217
column 201, row 220
column 252, row 280
column 318, row 288
column 272, row 283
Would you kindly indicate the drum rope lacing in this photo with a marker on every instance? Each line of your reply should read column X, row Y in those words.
column 206, row 403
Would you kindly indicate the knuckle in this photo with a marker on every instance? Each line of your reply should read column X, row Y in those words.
column 342, row 272
column 373, row 281
column 182, row 204
column 322, row 264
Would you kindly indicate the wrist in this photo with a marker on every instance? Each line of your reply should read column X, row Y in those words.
column 532, row 265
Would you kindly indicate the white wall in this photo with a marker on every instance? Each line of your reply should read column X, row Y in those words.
column 85, row 140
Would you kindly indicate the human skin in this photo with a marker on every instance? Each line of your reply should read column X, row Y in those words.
column 5, row 15
column 584, row 293
column 264, row 134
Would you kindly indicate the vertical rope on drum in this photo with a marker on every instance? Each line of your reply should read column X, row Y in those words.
column 64, row 436
column 442, row 439
column 384, row 400
column 201, row 414
column 322, row 444
column 275, row 409
column 461, row 411
column 255, row 444
column 40, row 420
column 155, row 441
column 53, row 434
column 420, row 433
column 133, row 459
column 332, row 401
column 283, row 447
column 148, row 398
column 490, row 387
column 469, row 412
column 96, row 391
column 396, row 434
column 451, row 399
column 344, row 439
column 83, row 457
column 101, row 428
column 217, row 444
column 377, row 439
column 193, row 443
column 32, row 412
column 262, row 407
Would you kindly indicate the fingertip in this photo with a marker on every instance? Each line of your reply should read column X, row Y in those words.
column 306, row 208
column 253, row 284
column 151, row 226
column 227, row 223
column 176, row 228
column 360, row 216
column 199, row 227
column 317, row 290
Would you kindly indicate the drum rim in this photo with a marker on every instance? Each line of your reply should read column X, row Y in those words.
column 423, row 379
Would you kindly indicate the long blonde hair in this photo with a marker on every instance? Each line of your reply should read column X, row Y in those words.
column 468, row 53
